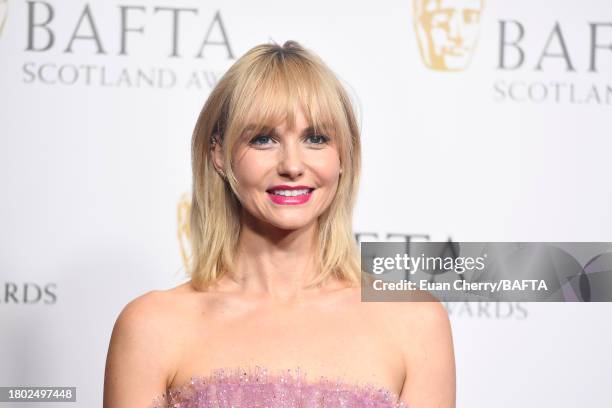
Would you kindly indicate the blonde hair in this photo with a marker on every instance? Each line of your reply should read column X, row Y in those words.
column 263, row 88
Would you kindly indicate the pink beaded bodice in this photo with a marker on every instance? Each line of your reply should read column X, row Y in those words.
column 257, row 388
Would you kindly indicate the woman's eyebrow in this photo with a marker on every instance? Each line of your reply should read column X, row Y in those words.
column 309, row 129
column 316, row 129
column 273, row 131
column 252, row 126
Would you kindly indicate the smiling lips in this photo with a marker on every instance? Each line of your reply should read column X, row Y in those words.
column 290, row 195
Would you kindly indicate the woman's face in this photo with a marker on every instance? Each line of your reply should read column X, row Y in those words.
column 286, row 178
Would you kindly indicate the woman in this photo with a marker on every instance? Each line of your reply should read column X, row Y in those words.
column 272, row 315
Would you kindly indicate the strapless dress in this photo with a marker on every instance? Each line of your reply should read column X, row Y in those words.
column 259, row 388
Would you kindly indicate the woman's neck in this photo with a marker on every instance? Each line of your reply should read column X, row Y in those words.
column 274, row 262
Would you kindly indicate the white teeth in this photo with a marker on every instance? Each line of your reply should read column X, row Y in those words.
column 290, row 193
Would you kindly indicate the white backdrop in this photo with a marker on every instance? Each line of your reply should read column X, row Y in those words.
column 94, row 159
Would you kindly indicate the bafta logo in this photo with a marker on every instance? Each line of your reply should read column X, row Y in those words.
column 3, row 13
column 183, row 230
column 447, row 32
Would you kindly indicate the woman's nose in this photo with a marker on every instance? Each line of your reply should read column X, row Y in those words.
column 290, row 163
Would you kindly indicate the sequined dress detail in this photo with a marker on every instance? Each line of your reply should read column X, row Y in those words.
column 259, row 388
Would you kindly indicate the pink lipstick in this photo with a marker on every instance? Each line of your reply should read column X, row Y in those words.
column 290, row 195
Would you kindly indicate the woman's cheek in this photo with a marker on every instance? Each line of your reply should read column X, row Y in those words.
column 328, row 168
column 250, row 171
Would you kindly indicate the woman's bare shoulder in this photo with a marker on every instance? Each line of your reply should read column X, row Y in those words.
column 418, row 316
column 424, row 333
column 150, row 318
column 154, row 306
column 142, row 351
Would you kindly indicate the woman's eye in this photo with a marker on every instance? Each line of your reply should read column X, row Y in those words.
column 318, row 139
column 260, row 140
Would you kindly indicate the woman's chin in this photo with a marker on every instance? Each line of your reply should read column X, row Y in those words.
column 291, row 223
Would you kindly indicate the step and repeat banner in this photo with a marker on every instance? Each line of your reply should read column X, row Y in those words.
column 482, row 120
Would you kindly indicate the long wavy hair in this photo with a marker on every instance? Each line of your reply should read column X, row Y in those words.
column 263, row 88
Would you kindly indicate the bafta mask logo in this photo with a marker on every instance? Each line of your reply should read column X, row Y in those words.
column 3, row 13
column 183, row 230
column 447, row 32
